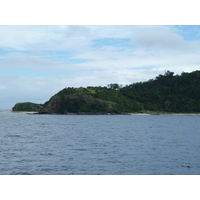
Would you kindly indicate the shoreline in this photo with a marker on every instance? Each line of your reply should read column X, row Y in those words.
column 164, row 114
column 25, row 112
column 142, row 114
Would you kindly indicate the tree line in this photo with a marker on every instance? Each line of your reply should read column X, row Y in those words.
column 165, row 93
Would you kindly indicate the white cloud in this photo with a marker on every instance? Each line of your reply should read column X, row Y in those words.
column 69, row 56
column 40, row 89
column 63, row 37
column 25, row 37
column 160, row 41
column 78, row 31
column 16, row 60
column 22, row 89
column 121, row 31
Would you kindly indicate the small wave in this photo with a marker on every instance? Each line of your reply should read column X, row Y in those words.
column 46, row 154
column 80, row 149
column 13, row 135
column 46, row 169
column 186, row 166
column 21, row 173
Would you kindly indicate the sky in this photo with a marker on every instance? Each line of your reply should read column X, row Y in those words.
column 37, row 61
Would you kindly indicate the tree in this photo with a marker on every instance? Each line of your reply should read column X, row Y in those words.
column 114, row 86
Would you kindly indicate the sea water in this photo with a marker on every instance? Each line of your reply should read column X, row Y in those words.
column 99, row 144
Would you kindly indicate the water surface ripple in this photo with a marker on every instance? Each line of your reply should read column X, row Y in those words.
column 105, row 145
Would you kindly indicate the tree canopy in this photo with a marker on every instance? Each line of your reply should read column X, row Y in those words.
column 165, row 93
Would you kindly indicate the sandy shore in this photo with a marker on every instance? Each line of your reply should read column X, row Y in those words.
column 163, row 114
column 138, row 114
column 25, row 112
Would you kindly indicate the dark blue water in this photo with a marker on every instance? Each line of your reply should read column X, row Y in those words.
column 115, row 144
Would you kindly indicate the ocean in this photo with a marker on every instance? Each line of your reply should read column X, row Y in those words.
column 32, row 144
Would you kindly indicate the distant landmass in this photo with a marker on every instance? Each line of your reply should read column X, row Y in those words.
column 27, row 106
column 166, row 93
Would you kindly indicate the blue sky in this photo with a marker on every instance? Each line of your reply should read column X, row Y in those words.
column 38, row 61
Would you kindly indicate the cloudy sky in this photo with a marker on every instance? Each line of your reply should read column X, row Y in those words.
column 38, row 61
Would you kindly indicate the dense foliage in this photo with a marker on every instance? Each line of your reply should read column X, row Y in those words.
column 27, row 106
column 168, row 92
column 165, row 93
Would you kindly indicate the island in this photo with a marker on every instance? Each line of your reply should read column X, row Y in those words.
column 167, row 93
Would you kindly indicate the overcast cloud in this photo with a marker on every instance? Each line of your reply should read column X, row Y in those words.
column 38, row 61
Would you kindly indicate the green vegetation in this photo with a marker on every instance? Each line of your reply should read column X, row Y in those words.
column 165, row 94
column 27, row 106
column 81, row 100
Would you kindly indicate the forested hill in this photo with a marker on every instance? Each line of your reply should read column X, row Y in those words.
column 168, row 92
column 165, row 93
